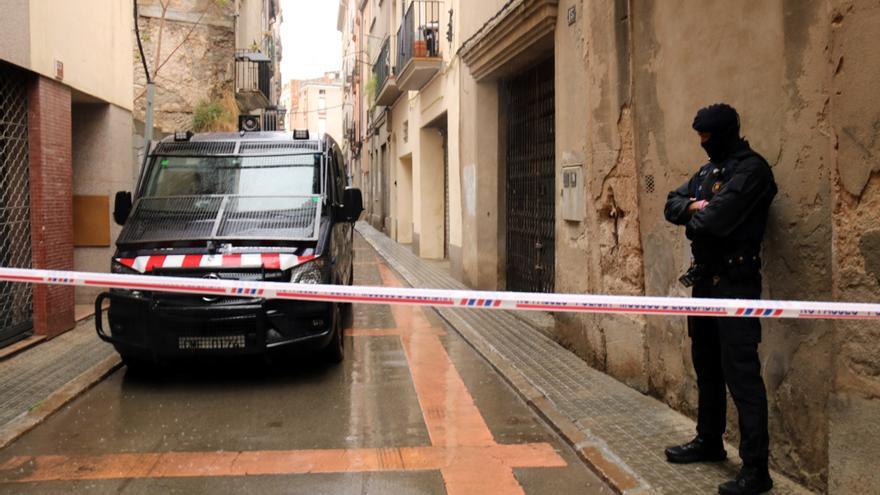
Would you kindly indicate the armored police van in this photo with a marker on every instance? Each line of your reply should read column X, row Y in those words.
column 253, row 206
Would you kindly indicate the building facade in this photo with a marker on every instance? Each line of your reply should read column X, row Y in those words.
column 65, row 149
column 210, row 60
column 348, row 23
column 316, row 105
column 515, row 105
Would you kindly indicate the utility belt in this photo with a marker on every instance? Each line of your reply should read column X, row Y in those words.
column 735, row 267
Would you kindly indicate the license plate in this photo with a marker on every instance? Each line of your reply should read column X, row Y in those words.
column 215, row 342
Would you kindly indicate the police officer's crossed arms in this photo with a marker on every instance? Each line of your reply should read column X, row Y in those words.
column 724, row 210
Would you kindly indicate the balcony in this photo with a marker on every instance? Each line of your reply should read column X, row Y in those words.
column 418, row 45
column 253, row 77
column 386, row 84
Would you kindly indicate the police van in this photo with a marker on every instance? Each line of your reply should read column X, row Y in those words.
column 253, row 206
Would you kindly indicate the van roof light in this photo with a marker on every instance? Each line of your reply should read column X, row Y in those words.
column 183, row 135
column 300, row 134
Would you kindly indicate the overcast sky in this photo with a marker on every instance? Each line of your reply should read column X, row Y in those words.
column 310, row 43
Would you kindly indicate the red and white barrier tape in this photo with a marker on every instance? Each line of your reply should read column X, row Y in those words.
column 455, row 298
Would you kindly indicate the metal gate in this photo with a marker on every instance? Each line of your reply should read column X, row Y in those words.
column 531, row 172
column 15, row 228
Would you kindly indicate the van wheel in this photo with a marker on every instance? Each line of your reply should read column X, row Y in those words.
column 138, row 366
column 335, row 350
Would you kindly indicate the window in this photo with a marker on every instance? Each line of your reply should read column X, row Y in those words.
column 341, row 179
column 336, row 178
column 290, row 175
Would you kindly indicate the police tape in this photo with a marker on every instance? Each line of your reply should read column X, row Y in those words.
column 580, row 303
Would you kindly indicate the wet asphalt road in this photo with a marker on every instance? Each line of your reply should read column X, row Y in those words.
column 413, row 409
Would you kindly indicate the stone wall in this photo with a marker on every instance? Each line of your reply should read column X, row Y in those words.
column 201, row 69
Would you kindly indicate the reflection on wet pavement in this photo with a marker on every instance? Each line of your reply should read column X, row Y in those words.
column 399, row 416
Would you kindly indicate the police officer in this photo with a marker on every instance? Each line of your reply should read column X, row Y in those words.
column 724, row 210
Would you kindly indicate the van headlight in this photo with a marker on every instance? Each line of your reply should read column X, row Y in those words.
column 119, row 268
column 310, row 272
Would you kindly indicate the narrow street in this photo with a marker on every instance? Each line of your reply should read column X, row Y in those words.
column 413, row 409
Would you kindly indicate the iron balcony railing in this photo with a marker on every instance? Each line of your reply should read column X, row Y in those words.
column 253, row 72
column 382, row 66
column 273, row 119
column 419, row 34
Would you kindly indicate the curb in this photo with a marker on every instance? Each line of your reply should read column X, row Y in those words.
column 20, row 346
column 24, row 423
column 589, row 450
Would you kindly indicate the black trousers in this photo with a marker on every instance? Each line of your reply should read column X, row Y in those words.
column 725, row 352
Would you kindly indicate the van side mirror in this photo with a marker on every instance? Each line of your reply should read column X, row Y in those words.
column 121, row 207
column 353, row 204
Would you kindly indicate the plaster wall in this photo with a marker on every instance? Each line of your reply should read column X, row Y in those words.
column 96, row 49
column 15, row 36
column 480, row 169
column 249, row 26
column 102, row 165
column 478, row 14
column 309, row 116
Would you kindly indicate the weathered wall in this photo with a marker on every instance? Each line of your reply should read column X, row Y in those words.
column 602, row 253
column 201, row 69
column 775, row 74
column 854, row 412
column 639, row 83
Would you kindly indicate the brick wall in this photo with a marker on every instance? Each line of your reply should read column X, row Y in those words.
column 51, row 184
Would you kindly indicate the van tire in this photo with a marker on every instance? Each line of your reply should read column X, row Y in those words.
column 138, row 366
column 335, row 350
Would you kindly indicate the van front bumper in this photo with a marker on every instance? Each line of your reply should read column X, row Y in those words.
column 154, row 325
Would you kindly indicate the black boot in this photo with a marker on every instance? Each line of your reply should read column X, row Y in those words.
column 697, row 450
column 749, row 481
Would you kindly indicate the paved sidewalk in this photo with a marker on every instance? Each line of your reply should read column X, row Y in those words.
column 39, row 380
column 617, row 430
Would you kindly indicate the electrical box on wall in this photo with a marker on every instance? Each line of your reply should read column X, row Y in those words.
column 573, row 193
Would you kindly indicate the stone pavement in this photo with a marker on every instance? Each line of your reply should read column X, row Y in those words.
column 41, row 379
column 617, row 430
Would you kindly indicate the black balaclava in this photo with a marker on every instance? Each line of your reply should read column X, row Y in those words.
column 722, row 122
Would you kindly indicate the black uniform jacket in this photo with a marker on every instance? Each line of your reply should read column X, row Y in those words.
column 739, row 191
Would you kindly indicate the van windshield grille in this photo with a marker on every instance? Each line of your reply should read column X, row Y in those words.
column 222, row 217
